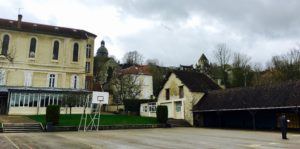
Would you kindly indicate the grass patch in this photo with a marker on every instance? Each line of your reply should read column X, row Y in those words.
column 74, row 119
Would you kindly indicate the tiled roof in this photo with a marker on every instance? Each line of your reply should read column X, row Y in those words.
column 196, row 82
column 44, row 29
column 262, row 97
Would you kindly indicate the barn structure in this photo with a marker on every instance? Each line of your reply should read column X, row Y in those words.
column 251, row 107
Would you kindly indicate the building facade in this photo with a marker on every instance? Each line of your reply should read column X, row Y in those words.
column 143, row 78
column 40, row 64
column 182, row 90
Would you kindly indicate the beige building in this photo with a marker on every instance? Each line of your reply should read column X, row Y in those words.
column 143, row 78
column 39, row 64
column 182, row 90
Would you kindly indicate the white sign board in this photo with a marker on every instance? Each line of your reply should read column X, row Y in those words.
column 100, row 97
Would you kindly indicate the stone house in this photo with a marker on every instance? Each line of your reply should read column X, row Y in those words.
column 182, row 90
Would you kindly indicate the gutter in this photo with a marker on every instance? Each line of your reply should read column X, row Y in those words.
column 242, row 109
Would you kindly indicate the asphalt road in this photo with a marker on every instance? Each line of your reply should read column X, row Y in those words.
column 182, row 138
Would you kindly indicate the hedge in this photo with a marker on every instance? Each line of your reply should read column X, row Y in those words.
column 133, row 105
column 162, row 114
column 52, row 114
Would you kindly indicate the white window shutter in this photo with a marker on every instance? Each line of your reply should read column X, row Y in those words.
column 55, row 80
column 72, row 81
column 78, row 82
column 2, row 77
column 27, row 78
column 48, row 79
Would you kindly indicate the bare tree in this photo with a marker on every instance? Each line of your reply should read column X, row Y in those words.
column 154, row 62
column 222, row 55
column 125, row 86
column 240, row 70
column 240, row 60
column 288, row 65
column 133, row 58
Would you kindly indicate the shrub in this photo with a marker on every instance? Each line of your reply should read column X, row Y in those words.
column 133, row 105
column 52, row 114
column 162, row 114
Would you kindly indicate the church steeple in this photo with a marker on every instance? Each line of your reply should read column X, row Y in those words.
column 102, row 51
column 102, row 43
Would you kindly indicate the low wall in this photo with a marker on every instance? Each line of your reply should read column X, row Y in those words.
column 148, row 114
column 42, row 110
column 111, row 127
column 114, row 108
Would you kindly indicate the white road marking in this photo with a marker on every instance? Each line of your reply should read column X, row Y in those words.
column 295, row 135
column 15, row 145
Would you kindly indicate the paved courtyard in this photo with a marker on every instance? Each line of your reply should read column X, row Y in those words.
column 151, row 138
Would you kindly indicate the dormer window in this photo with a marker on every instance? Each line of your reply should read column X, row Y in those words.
column 75, row 52
column 32, row 48
column 55, row 50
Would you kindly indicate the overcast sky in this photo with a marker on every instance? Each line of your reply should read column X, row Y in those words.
column 173, row 31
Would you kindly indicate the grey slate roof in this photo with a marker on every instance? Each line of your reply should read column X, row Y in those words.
column 45, row 29
column 261, row 97
column 196, row 82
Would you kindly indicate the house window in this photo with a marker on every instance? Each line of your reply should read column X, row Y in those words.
column 178, row 106
column 5, row 45
column 75, row 52
column 27, row 78
column 87, row 67
column 32, row 48
column 88, row 51
column 145, row 108
column 55, row 50
column 181, row 93
column 52, row 80
column 88, row 83
column 152, row 107
column 167, row 94
column 75, row 81
column 2, row 77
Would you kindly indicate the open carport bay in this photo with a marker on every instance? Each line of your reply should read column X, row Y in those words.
column 151, row 138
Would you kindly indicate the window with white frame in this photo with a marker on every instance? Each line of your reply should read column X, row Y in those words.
column 52, row 80
column 2, row 77
column 27, row 78
column 145, row 108
column 152, row 107
column 75, row 81
column 88, row 51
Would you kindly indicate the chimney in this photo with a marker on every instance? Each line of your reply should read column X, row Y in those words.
column 19, row 21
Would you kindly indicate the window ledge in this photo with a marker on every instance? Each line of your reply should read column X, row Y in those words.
column 31, row 59
column 54, row 61
column 74, row 62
